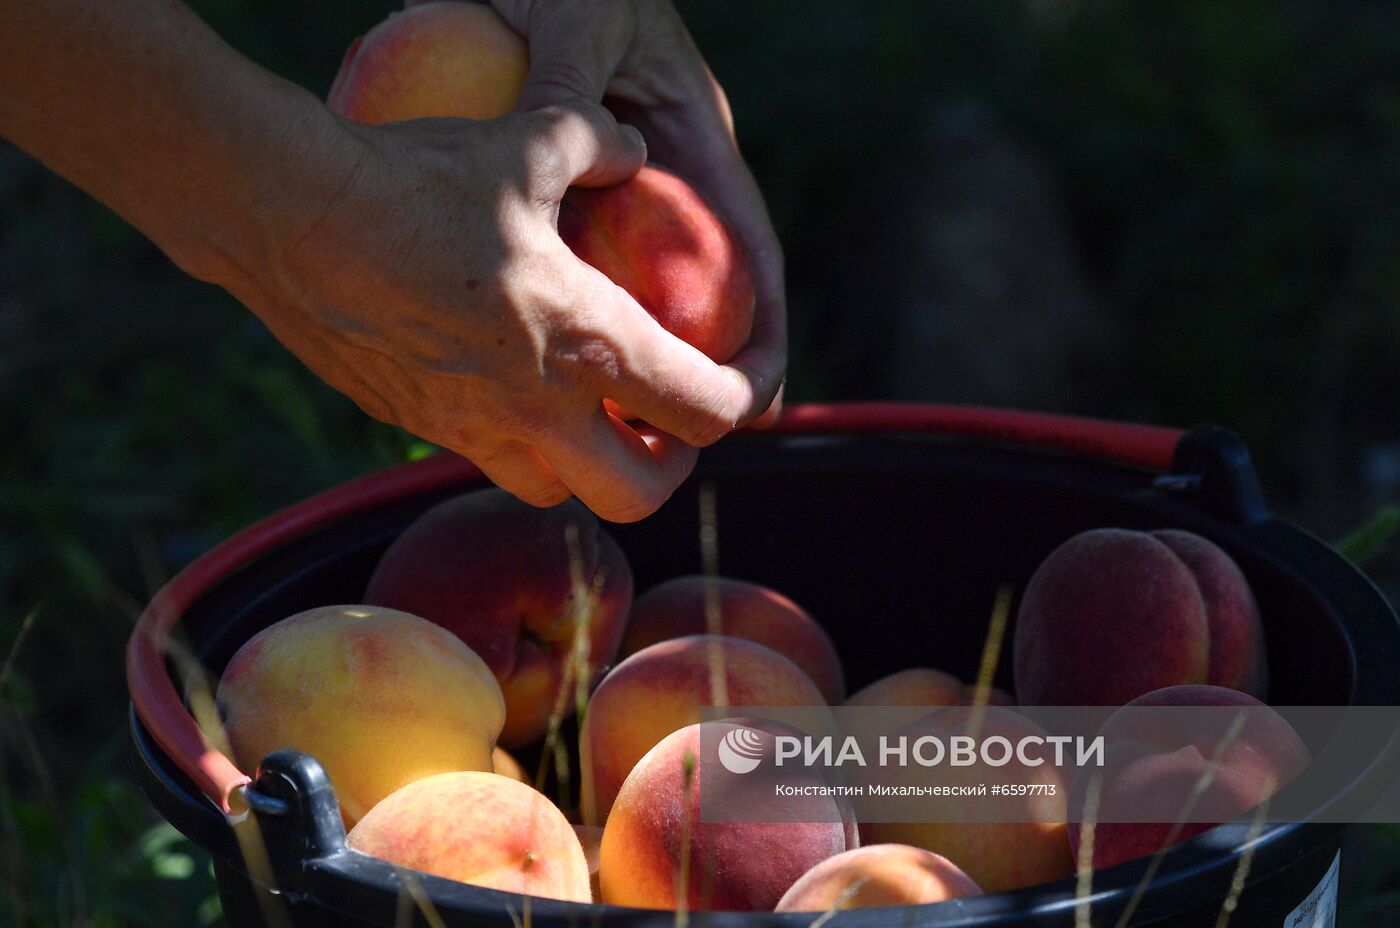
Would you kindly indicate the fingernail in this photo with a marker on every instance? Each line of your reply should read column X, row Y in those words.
column 635, row 134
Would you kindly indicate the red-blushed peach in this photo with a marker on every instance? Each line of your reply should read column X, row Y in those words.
column 1194, row 755
column 1112, row 614
column 677, row 607
column 1024, row 845
column 496, row 572
column 877, row 875
column 479, row 828
column 995, row 696
column 1237, row 658
column 381, row 698
column 656, row 237
column 661, row 689
column 659, row 848
column 916, row 686
column 434, row 59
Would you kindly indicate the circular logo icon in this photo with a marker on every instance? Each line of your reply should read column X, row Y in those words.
column 741, row 750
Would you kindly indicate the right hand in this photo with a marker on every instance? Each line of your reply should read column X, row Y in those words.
column 429, row 284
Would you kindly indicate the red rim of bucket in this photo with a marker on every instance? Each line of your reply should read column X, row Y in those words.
column 163, row 712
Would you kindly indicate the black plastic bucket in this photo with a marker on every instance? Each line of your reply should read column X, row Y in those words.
column 895, row 525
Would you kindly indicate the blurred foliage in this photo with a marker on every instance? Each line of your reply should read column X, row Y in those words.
column 1231, row 174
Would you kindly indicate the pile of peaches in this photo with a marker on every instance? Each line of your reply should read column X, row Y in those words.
column 488, row 624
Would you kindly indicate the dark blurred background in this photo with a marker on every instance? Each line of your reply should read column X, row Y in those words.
column 1172, row 213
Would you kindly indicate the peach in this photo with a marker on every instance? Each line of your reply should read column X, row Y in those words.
column 917, row 686
column 746, row 610
column 1112, row 614
column 1236, row 646
column 1157, row 762
column 662, row 688
column 657, row 841
column 995, row 696
column 1027, row 846
column 496, row 573
column 877, row 875
column 381, row 698
column 655, row 237
column 479, row 828
column 434, row 59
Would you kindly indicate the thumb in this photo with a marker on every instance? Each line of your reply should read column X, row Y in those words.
column 580, row 142
column 574, row 50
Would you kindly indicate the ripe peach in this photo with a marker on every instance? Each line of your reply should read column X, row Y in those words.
column 658, row 848
column 655, row 237
column 381, row 698
column 1236, row 635
column 995, row 696
column 1168, row 607
column 917, row 686
column 662, row 688
column 1027, row 846
column 479, row 828
column 1157, row 762
column 877, row 875
column 496, row 572
column 746, row 610
column 434, row 59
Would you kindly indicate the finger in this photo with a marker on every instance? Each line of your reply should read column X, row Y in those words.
column 520, row 471
column 662, row 379
column 730, row 188
column 574, row 49
column 699, row 142
column 770, row 416
column 579, row 142
column 621, row 473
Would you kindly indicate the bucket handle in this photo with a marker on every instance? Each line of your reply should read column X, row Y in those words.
column 1215, row 460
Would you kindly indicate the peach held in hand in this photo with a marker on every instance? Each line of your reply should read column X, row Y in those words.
column 655, row 237
column 496, row 573
column 479, row 828
column 381, row 698
column 1112, row 614
column 434, row 59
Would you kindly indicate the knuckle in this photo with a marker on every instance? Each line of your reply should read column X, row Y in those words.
column 561, row 79
column 704, row 427
column 588, row 353
column 642, row 503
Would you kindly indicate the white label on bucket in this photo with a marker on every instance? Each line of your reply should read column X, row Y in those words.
column 1319, row 910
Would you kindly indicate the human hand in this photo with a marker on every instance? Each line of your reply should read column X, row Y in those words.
column 638, row 57
column 432, row 288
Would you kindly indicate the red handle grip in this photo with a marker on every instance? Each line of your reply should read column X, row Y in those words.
column 162, row 711
column 1148, row 446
